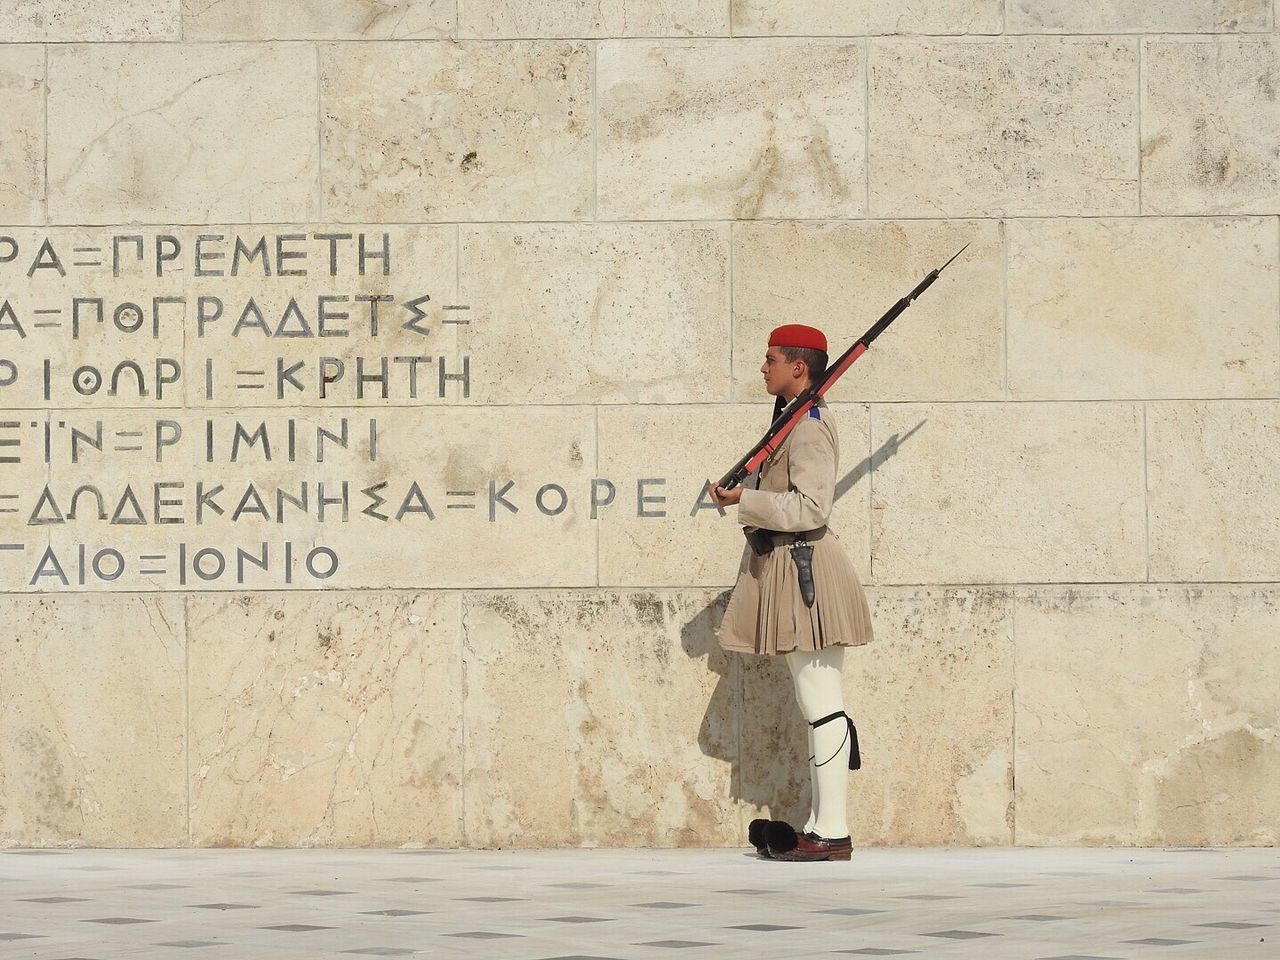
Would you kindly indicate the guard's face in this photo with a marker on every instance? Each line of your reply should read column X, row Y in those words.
column 781, row 376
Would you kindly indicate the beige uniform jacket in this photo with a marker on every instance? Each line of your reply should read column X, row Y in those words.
column 766, row 613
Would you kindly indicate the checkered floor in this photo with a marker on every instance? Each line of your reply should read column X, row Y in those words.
column 687, row 904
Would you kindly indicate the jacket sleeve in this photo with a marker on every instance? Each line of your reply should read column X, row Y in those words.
column 811, row 485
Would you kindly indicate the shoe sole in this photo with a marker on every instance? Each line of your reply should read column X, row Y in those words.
column 813, row 858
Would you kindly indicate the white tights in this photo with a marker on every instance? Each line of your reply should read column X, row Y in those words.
column 819, row 691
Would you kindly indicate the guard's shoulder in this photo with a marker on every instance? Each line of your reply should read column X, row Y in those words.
column 811, row 427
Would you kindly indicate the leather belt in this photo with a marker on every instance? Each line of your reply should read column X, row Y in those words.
column 764, row 541
column 783, row 537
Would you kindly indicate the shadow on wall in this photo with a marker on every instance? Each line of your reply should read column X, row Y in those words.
column 768, row 751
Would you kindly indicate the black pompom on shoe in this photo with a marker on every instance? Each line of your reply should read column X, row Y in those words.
column 781, row 837
column 756, row 833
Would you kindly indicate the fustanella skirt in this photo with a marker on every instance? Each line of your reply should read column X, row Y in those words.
column 767, row 615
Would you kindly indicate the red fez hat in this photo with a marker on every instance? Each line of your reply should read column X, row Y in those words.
column 798, row 335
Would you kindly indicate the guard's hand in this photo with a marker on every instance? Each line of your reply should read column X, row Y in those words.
column 726, row 498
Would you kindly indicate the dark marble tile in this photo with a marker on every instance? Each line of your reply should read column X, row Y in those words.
column 395, row 913
column 1070, row 873
column 321, row 893
column 192, row 943
column 665, row 905
column 484, row 935
column 156, row 886
column 677, row 944
column 959, row 934
column 577, row 919
column 1038, row 916
column 224, row 906
column 1246, row 876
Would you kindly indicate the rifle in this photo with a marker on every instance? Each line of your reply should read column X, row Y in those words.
column 786, row 417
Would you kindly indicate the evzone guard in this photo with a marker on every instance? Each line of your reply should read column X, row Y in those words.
column 797, row 594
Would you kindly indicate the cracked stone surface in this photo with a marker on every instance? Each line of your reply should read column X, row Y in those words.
column 1211, row 473
column 457, row 131
column 1150, row 307
column 1210, row 110
column 593, row 18
column 317, row 19
column 22, row 159
column 186, row 134
column 79, row 21
column 93, row 707
column 863, row 17
column 716, row 129
column 1008, row 493
column 593, row 719
column 590, row 313
column 1148, row 715
column 325, row 720
column 1018, row 127
column 1137, row 16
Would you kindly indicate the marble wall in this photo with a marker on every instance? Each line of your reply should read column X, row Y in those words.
column 362, row 365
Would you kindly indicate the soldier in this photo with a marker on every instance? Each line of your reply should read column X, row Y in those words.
column 773, row 610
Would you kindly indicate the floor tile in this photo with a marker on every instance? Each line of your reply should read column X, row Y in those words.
column 953, row 904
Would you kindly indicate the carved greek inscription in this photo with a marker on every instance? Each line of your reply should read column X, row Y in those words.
column 231, row 408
